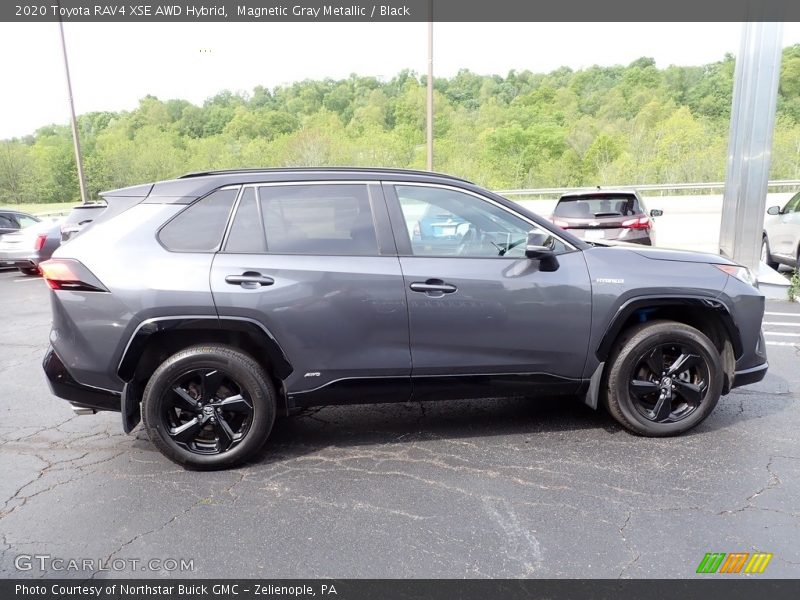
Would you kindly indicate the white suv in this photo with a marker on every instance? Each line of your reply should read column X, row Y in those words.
column 781, row 241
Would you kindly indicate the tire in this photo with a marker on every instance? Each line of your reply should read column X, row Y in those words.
column 221, row 415
column 766, row 257
column 691, row 391
column 30, row 272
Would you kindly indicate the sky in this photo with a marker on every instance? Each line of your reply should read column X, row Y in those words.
column 113, row 65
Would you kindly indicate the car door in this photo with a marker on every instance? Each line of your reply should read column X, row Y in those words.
column 484, row 320
column 785, row 235
column 315, row 265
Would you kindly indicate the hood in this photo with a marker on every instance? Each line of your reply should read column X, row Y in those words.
column 671, row 255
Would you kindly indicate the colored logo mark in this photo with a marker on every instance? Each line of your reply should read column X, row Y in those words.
column 735, row 562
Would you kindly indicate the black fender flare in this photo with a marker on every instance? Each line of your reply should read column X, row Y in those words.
column 643, row 303
column 250, row 327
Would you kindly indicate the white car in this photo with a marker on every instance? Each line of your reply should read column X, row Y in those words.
column 781, row 241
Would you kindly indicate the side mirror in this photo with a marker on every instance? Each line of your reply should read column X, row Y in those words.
column 656, row 212
column 774, row 210
column 535, row 250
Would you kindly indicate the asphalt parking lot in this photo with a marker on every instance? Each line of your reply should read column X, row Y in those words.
column 505, row 488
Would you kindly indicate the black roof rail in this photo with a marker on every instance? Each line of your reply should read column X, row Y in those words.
column 307, row 169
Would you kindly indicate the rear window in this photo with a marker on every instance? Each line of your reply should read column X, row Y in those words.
column 596, row 206
column 84, row 214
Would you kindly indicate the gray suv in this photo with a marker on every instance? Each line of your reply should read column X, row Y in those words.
column 213, row 303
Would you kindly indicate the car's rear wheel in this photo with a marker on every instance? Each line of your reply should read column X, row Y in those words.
column 209, row 407
column 766, row 257
column 664, row 378
column 30, row 272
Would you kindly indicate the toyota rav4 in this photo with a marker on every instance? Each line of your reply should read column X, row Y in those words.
column 212, row 303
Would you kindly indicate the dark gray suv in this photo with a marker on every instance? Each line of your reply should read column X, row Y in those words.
column 212, row 303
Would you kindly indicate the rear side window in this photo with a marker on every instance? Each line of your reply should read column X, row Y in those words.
column 318, row 219
column 247, row 230
column 592, row 207
column 199, row 228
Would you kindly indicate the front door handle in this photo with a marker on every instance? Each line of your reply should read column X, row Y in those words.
column 249, row 280
column 433, row 287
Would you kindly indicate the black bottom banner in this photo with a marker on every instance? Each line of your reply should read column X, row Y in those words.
column 389, row 589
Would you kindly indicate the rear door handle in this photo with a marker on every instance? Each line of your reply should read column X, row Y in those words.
column 433, row 287
column 249, row 280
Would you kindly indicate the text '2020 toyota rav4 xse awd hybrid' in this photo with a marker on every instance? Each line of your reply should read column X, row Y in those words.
column 214, row 302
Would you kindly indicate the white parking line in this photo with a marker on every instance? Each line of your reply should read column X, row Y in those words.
column 781, row 333
column 26, row 279
column 784, row 323
column 781, row 314
column 782, row 344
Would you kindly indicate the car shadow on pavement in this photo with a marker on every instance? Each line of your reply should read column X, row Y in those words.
column 314, row 429
column 516, row 419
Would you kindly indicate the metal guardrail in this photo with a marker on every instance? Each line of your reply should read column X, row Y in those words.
column 718, row 185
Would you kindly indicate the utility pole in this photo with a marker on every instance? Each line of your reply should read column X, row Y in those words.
column 75, row 138
column 430, row 85
column 755, row 91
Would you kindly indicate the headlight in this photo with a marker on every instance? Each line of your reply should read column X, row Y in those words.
column 741, row 273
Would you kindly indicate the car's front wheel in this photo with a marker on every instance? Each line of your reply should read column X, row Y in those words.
column 664, row 378
column 209, row 407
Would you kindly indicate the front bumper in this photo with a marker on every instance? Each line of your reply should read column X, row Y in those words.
column 751, row 375
column 63, row 385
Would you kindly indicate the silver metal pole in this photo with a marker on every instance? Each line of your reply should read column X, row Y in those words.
column 755, row 92
column 430, row 86
column 75, row 138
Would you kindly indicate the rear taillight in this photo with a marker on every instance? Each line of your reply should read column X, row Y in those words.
column 638, row 223
column 40, row 240
column 68, row 274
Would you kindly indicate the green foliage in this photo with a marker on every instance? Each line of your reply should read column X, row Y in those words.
column 600, row 125
column 793, row 291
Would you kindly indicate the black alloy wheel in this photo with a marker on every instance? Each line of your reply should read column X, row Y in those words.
column 663, row 378
column 669, row 382
column 209, row 406
column 206, row 411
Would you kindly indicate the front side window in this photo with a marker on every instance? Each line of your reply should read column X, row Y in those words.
column 792, row 205
column 199, row 228
column 446, row 222
column 333, row 219
column 26, row 221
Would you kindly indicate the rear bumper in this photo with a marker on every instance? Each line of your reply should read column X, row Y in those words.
column 64, row 385
column 751, row 375
column 26, row 259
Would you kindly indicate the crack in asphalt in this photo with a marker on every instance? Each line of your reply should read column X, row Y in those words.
column 361, row 505
column 774, row 481
column 4, row 550
column 522, row 545
column 634, row 555
column 50, row 466
column 202, row 500
column 42, row 430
